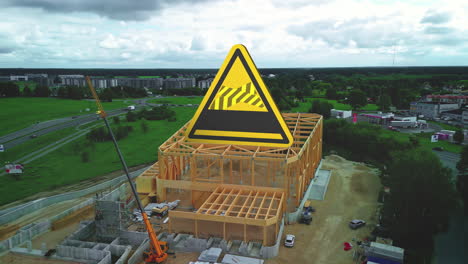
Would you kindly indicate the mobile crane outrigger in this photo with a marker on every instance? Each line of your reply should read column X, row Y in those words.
column 157, row 251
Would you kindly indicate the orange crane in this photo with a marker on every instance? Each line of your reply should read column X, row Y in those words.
column 157, row 251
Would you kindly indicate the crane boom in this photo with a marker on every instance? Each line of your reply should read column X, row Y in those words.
column 157, row 252
column 101, row 111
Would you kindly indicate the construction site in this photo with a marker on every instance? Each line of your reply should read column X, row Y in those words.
column 208, row 198
column 234, row 197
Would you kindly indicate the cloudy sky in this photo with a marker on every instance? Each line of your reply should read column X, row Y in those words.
column 199, row 33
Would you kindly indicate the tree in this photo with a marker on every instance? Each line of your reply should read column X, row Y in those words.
column 42, row 91
column 106, row 95
column 462, row 179
column 9, row 89
column 116, row 120
column 27, row 91
column 321, row 107
column 131, row 116
column 323, row 86
column 384, row 102
column 458, row 136
column 332, row 93
column 357, row 99
column 421, row 198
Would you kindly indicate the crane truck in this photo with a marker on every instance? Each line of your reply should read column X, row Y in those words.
column 157, row 252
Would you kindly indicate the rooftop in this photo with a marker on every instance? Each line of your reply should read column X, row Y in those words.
column 301, row 126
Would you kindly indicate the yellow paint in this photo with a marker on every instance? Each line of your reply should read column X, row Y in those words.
column 244, row 98
column 237, row 77
column 202, row 132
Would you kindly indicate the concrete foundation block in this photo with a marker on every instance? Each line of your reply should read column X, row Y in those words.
column 210, row 242
column 224, row 245
column 243, row 249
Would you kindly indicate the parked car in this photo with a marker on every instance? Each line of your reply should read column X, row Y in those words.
column 438, row 148
column 289, row 241
column 356, row 223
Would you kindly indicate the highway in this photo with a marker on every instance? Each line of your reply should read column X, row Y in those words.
column 13, row 139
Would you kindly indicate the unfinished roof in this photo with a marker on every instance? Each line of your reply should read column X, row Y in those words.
column 234, row 204
column 301, row 126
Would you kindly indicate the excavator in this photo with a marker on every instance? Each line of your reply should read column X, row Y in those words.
column 157, row 252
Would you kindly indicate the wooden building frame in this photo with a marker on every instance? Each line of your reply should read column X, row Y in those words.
column 233, row 204
column 214, row 174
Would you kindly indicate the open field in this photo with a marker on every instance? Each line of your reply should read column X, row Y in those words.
column 64, row 166
column 425, row 141
column 177, row 100
column 444, row 126
column 20, row 112
column 305, row 106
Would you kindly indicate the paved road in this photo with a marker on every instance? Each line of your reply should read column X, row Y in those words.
column 33, row 128
column 449, row 159
column 51, row 147
column 55, row 125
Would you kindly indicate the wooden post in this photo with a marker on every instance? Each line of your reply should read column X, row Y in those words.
column 196, row 228
column 264, row 236
column 276, row 227
column 230, row 169
column 224, row 231
column 252, row 171
column 221, row 167
column 268, row 173
column 245, row 233
column 240, row 170
column 193, row 168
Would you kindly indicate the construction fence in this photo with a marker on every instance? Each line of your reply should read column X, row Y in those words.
column 13, row 213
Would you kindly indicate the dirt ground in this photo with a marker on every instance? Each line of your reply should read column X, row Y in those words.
column 12, row 258
column 352, row 194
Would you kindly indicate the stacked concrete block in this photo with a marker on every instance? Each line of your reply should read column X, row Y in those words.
column 210, row 255
column 137, row 257
column 133, row 238
column 244, row 249
column 232, row 259
column 86, row 255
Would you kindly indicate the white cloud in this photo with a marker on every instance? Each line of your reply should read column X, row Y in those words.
column 277, row 34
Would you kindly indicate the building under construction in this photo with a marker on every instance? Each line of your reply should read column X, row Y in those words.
column 235, row 192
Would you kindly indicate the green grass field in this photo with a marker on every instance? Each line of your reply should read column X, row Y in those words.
column 445, row 126
column 32, row 145
column 20, row 112
column 177, row 100
column 64, row 166
column 305, row 106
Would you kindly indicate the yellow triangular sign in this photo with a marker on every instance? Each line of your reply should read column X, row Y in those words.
column 238, row 108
